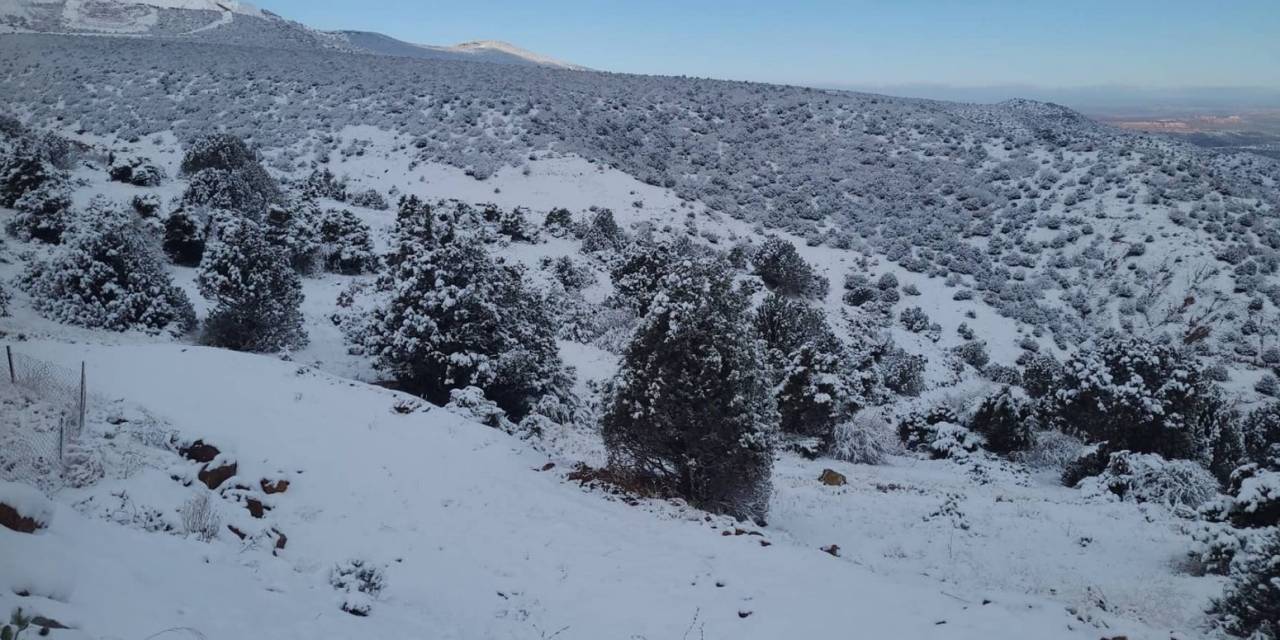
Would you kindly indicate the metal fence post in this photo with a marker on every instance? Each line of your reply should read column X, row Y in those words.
column 80, row 427
column 8, row 352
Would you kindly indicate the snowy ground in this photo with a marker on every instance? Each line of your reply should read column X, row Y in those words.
column 479, row 542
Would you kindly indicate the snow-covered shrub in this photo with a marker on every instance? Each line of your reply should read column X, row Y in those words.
column 200, row 517
column 138, row 172
column 146, row 205
column 1147, row 477
column 225, row 174
column 974, row 353
column 184, row 239
column 571, row 274
column 1252, row 499
column 108, row 275
column 1041, row 374
column 902, row 372
column 1051, row 449
column 255, row 293
column 321, row 183
column 782, row 269
column 359, row 582
column 346, row 245
column 1138, row 396
column 914, row 319
column 81, row 466
column 864, row 439
column 637, row 274
column 456, row 318
column 559, row 222
column 814, row 396
column 1260, row 431
column 1006, row 421
column 369, row 199
column 514, row 224
column 690, row 410
column 1268, row 385
column 42, row 212
column 228, row 190
column 1250, row 604
column 1002, row 374
column 602, row 233
column 470, row 402
column 937, row 432
column 292, row 227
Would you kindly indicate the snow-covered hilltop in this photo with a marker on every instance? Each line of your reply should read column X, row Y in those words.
column 409, row 346
column 234, row 22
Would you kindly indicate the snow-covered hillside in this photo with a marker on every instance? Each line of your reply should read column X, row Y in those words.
column 1029, row 390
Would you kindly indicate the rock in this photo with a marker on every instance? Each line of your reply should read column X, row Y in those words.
column 255, row 506
column 833, row 549
column 277, row 486
column 43, row 622
column 23, row 508
column 744, row 614
column 198, row 451
column 11, row 519
column 281, row 541
column 239, row 534
column 832, row 478
column 214, row 475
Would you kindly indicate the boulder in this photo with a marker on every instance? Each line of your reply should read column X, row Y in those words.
column 23, row 508
column 832, row 478
column 213, row 474
column 274, row 486
column 198, row 451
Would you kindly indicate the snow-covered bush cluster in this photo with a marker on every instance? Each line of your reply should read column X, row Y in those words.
column 107, row 274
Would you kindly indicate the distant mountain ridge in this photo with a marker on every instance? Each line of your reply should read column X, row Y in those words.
column 234, row 22
column 494, row 51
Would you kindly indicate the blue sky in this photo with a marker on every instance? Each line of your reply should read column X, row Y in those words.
column 1050, row 43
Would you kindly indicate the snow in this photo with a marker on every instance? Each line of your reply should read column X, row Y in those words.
column 476, row 541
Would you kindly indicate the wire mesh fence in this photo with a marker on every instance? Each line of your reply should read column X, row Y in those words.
column 43, row 418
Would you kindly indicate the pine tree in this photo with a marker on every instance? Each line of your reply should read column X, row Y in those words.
column 690, row 408
column 255, row 292
column 457, row 318
column 107, row 274
column 602, row 233
column 782, row 269
column 184, row 238
column 1006, row 422
column 814, row 396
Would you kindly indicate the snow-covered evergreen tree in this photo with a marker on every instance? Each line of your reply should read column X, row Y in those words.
column 184, row 239
column 346, row 245
column 1005, row 420
column 1136, row 395
column 690, row 409
column 255, row 293
column 782, row 269
column 224, row 173
column 109, row 275
column 602, row 233
column 457, row 318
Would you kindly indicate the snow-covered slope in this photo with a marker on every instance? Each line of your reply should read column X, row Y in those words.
column 476, row 540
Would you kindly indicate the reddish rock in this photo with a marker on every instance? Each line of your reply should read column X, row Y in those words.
column 215, row 476
column 199, row 452
column 11, row 519
column 281, row 541
column 239, row 534
column 256, row 508
column 277, row 486
column 832, row 478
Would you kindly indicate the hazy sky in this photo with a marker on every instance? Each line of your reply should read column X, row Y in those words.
column 1056, row 43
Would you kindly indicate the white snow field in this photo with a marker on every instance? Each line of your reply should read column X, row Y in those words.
column 476, row 540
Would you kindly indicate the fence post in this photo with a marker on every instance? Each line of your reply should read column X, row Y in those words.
column 8, row 352
column 80, row 427
column 62, row 427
